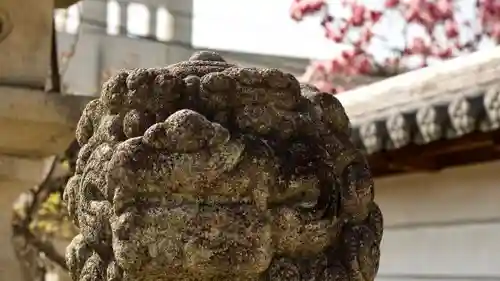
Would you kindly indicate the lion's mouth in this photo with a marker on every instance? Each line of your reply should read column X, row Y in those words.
column 209, row 237
column 206, row 238
column 305, row 197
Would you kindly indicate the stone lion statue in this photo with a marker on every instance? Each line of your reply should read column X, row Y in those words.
column 203, row 170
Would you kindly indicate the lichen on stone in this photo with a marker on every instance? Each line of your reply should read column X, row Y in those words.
column 204, row 170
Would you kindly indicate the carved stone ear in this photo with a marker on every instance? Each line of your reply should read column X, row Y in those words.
column 329, row 107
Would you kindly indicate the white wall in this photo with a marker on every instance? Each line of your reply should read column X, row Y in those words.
column 441, row 226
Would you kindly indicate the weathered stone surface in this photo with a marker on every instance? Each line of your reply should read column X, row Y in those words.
column 207, row 171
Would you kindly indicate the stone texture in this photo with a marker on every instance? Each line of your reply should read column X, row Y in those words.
column 203, row 170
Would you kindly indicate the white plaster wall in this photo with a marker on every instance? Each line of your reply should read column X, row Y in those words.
column 441, row 226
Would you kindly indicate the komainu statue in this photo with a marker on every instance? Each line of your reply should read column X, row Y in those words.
column 206, row 171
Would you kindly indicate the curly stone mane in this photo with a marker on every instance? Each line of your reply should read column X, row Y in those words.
column 203, row 170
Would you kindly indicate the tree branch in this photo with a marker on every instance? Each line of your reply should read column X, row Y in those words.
column 29, row 248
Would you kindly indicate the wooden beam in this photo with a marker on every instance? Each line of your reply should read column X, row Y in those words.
column 25, row 58
column 37, row 124
column 27, row 170
column 474, row 148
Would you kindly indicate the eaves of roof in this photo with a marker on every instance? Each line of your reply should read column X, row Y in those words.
column 449, row 117
column 443, row 102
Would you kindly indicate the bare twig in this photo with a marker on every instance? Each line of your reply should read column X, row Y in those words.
column 28, row 247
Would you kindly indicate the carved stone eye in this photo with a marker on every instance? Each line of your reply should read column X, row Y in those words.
column 309, row 199
column 91, row 192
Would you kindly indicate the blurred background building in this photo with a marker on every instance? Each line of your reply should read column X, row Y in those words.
column 98, row 37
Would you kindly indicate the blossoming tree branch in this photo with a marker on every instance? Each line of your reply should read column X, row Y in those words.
column 443, row 33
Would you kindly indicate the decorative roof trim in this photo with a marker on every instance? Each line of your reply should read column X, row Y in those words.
column 445, row 101
column 445, row 119
column 464, row 75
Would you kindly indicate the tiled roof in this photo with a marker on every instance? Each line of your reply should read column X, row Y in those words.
column 449, row 118
column 448, row 101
